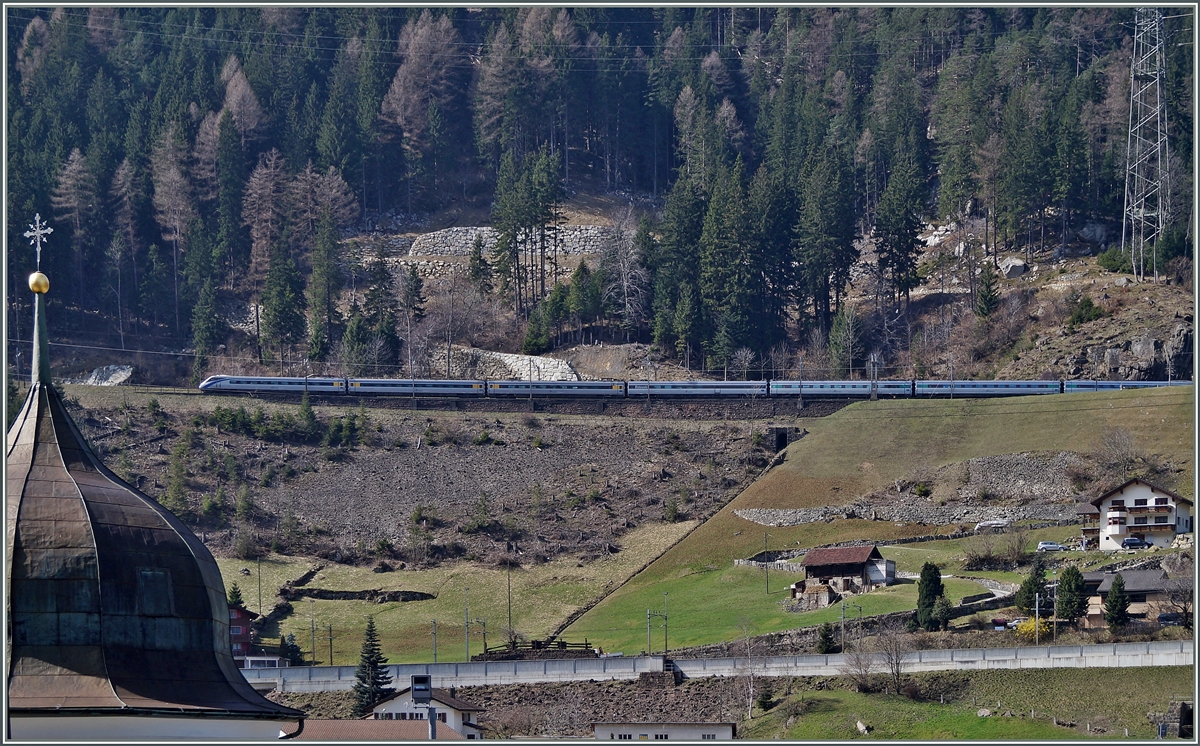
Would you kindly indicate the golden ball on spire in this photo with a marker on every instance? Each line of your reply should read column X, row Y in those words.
column 39, row 283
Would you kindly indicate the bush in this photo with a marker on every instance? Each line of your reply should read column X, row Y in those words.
column 1032, row 630
column 1114, row 260
column 1084, row 310
column 921, row 489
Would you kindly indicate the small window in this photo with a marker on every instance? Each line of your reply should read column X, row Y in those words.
column 660, row 736
column 1118, row 503
column 1140, row 521
column 237, row 647
column 1160, row 501
column 1139, row 502
column 233, row 614
column 235, row 630
column 708, row 736
column 1161, row 519
column 624, row 736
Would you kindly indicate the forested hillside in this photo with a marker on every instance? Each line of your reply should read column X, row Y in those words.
column 192, row 157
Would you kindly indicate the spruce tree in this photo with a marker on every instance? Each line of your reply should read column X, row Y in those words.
column 1072, row 601
column 1034, row 585
column 282, row 302
column 987, row 298
column 479, row 272
column 825, row 642
column 896, row 225
column 1116, row 605
column 355, row 341
column 235, row 595
column 929, row 589
column 323, row 286
column 371, row 680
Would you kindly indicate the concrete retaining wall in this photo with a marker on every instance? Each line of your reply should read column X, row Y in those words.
column 339, row 678
column 1115, row 655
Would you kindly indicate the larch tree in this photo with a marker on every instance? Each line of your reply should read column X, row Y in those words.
column 264, row 207
column 172, row 199
column 74, row 201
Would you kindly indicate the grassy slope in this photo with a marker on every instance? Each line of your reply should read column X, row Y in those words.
column 861, row 448
column 1079, row 696
column 543, row 595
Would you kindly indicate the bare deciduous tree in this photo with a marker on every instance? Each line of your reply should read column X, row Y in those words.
column 32, row 51
column 74, row 200
column 240, row 99
column 264, row 207
column 1118, row 450
column 862, row 667
column 429, row 52
column 204, row 157
column 172, row 197
column 743, row 360
column 628, row 278
column 893, row 644
column 121, row 196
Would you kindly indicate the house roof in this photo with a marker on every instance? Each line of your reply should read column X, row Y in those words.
column 442, row 696
column 114, row 604
column 1087, row 509
column 1136, row 480
column 841, row 556
column 374, row 730
column 1136, row 581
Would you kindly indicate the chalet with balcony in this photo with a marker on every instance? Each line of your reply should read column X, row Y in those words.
column 460, row 715
column 1143, row 510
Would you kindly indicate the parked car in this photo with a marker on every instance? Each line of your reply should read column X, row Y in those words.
column 1170, row 619
column 1134, row 542
column 1050, row 546
column 1012, row 624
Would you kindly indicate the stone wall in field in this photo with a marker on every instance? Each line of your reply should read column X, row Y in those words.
column 573, row 240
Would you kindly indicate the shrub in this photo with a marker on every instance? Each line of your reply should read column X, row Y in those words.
column 1115, row 260
column 1032, row 630
column 482, row 439
column 1084, row 310
column 921, row 489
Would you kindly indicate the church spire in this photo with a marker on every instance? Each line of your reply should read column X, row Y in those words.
column 40, row 284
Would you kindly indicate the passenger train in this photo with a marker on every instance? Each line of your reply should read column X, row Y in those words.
column 661, row 389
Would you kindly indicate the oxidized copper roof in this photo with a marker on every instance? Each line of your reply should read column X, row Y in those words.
column 114, row 604
column 840, row 556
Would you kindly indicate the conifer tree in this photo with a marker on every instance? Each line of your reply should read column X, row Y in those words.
column 1116, row 605
column 234, row 595
column 929, row 589
column 282, row 303
column 825, row 641
column 1072, row 601
column 355, row 341
column 987, row 297
column 896, row 225
column 323, row 286
column 1033, row 587
column 479, row 272
column 371, row 680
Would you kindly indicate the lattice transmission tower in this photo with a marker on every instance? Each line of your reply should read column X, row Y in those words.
column 1147, row 184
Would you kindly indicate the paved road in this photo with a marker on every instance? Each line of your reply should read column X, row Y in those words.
column 1118, row 655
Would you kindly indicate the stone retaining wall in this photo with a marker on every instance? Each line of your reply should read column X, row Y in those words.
column 573, row 240
column 938, row 515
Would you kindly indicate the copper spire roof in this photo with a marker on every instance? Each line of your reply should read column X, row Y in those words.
column 115, row 607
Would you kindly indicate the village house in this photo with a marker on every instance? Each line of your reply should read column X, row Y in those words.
column 459, row 715
column 828, row 573
column 664, row 731
column 1147, row 591
column 1139, row 509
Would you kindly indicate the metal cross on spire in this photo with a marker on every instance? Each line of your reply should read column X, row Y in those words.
column 36, row 234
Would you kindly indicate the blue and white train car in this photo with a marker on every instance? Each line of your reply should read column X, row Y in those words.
column 985, row 388
column 1073, row 387
column 269, row 384
column 697, row 388
column 414, row 387
column 556, row 388
column 886, row 389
